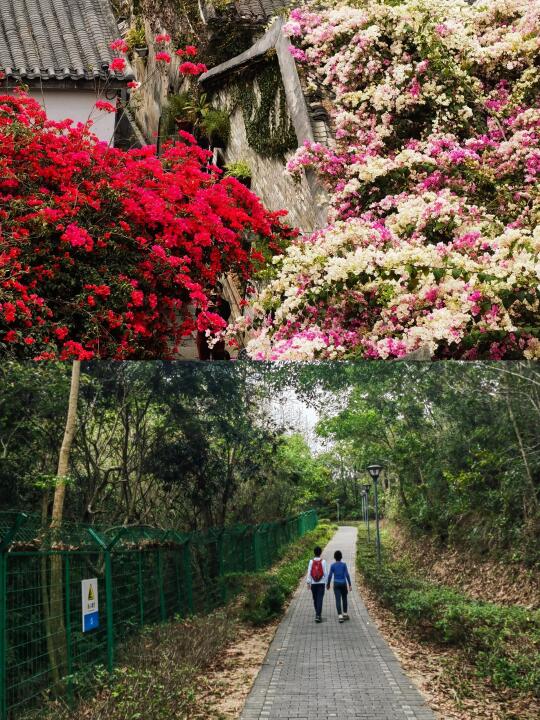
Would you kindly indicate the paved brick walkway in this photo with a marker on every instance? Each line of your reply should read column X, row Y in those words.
column 319, row 672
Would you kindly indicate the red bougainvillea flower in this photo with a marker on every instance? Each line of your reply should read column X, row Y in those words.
column 117, row 65
column 108, row 253
column 77, row 237
column 134, row 85
column 105, row 106
column 189, row 68
column 163, row 38
column 189, row 50
column 119, row 46
column 163, row 57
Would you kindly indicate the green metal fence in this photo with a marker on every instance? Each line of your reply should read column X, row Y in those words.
column 144, row 575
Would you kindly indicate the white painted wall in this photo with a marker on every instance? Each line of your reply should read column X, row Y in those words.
column 77, row 105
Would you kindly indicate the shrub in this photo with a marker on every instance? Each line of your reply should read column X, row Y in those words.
column 502, row 642
column 238, row 169
column 266, row 593
column 112, row 253
column 157, row 674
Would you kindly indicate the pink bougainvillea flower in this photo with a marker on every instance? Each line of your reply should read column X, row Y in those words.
column 163, row 38
column 77, row 237
column 119, row 45
column 432, row 183
column 134, row 85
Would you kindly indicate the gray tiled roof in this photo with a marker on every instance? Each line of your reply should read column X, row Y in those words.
column 57, row 39
column 260, row 9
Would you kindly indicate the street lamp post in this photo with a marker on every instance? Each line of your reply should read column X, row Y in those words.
column 367, row 488
column 375, row 470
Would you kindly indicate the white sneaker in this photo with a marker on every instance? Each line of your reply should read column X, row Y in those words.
column 340, row 618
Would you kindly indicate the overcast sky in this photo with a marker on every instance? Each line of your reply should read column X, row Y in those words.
column 300, row 417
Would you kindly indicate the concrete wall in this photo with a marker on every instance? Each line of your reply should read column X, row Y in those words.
column 77, row 105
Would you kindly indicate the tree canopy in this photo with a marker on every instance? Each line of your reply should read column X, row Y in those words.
column 200, row 445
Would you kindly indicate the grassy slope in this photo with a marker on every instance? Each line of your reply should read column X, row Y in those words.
column 500, row 642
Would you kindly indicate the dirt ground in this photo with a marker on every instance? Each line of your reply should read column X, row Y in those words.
column 229, row 680
column 495, row 581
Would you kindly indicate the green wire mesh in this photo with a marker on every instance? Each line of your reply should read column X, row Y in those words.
column 145, row 575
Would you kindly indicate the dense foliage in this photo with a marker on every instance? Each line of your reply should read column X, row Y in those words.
column 459, row 446
column 433, row 183
column 112, row 253
column 195, row 446
column 180, row 444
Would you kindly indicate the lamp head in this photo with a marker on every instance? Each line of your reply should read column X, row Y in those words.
column 374, row 470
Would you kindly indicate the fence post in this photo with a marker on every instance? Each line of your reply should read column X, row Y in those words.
column 221, row 559
column 186, row 559
column 67, row 600
column 162, row 609
column 3, row 635
column 256, row 549
column 140, row 583
column 108, row 590
column 242, row 550
column 109, row 606
column 178, row 584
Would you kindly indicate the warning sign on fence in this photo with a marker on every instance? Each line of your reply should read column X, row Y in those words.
column 90, row 606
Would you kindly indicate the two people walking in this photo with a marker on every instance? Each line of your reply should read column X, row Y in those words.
column 318, row 578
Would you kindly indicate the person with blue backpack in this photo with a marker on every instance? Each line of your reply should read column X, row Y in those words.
column 342, row 585
column 316, row 580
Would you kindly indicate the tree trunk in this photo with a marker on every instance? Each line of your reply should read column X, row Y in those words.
column 57, row 631
column 529, row 500
column 65, row 449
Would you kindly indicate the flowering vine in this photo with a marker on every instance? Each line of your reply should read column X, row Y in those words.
column 434, row 238
column 108, row 253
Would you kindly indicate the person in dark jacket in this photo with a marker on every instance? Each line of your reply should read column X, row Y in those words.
column 342, row 585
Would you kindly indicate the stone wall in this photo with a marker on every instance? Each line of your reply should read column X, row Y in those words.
column 304, row 200
column 157, row 81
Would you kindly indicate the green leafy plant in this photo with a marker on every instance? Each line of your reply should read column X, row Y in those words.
column 216, row 126
column 195, row 109
column 266, row 117
column 503, row 642
column 136, row 36
column 238, row 169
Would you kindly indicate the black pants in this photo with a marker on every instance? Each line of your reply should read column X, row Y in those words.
column 317, row 590
column 341, row 592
